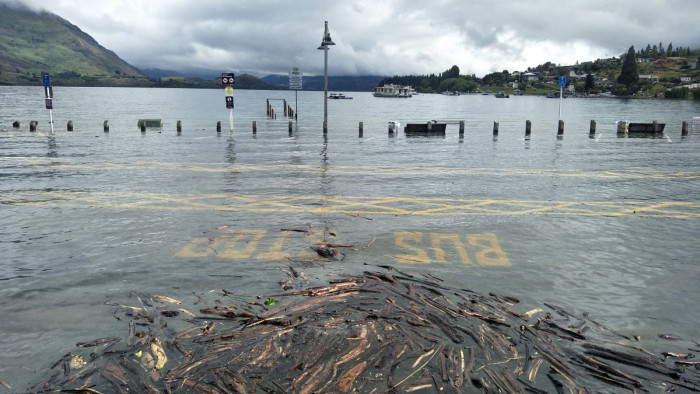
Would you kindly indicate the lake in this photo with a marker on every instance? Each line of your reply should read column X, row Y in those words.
column 596, row 224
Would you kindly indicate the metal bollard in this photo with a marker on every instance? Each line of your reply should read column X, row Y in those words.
column 528, row 128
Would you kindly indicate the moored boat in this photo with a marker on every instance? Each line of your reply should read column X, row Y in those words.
column 391, row 90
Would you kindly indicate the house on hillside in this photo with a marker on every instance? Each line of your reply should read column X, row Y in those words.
column 648, row 77
column 531, row 76
column 685, row 79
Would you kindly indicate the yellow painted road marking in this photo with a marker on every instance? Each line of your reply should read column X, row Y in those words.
column 414, row 206
column 337, row 170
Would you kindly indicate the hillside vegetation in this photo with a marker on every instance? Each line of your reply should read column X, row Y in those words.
column 32, row 43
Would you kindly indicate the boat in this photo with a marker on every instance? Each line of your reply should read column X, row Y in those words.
column 391, row 90
column 501, row 95
column 338, row 96
column 450, row 93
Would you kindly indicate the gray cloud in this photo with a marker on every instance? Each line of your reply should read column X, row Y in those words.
column 378, row 36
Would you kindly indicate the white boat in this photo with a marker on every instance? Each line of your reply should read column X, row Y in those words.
column 393, row 91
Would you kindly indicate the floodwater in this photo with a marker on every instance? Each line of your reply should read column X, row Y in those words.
column 595, row 224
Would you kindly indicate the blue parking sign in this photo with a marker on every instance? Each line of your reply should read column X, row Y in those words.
column 562, row 82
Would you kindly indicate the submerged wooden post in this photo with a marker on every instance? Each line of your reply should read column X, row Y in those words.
column 284, row 105
column 218, row 127
column 593, row 127
column 32, row 125
column 143, row 126
column 560, row 129
column 255, row 127
column 684, row 128
column 268, row 107
column 290, row 126
column 69, row 126
column 105, row 126
column 325, row 127
column 495, row 128
column 362, row 126
column 179, row 126
column 461, row 128
column 15, row 124
column 528, row 128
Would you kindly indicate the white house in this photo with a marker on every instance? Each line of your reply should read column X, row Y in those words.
column 529, row 76
column 685, row 79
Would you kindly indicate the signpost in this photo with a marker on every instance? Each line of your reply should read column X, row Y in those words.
column 295, row 83
column 228, row 80
column 48, row 91
column 562, row 83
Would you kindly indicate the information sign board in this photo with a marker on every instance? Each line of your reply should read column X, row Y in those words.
column 295, row 78
column 229, row 102
column 562, row 82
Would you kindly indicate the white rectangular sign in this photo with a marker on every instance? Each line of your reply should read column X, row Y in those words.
column 295, row 79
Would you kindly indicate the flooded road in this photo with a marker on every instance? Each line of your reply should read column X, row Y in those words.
column 603, row 225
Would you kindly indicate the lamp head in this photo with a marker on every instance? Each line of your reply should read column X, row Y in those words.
column 326, row 39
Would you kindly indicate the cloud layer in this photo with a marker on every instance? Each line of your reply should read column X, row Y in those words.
column 380, row 37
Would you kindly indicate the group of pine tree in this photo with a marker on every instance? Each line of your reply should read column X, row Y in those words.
column 654, row 52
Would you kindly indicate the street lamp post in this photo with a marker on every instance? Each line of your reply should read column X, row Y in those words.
column 324, row 47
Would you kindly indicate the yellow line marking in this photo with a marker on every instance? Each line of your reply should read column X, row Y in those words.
column 282, row 169
column 350, row 204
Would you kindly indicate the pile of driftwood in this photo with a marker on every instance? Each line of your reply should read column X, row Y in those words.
column 378, row 332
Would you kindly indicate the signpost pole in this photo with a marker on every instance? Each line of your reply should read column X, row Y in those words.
column 295, row 82
column 51, row 119
column 48, row 91
column 228, row 80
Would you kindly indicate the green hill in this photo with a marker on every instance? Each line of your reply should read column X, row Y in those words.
column 32, row 43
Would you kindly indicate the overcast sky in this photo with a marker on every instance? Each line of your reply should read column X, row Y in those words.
column 376, row 37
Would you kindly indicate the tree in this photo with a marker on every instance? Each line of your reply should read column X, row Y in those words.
column 589, row 85
column 669, row 51
column 629, row 75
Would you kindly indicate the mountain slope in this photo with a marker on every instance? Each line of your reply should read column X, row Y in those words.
column 31, row 43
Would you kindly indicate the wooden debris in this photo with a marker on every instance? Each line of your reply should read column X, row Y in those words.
column 384, row 331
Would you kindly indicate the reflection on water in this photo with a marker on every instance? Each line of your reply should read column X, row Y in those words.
column 604, row 225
